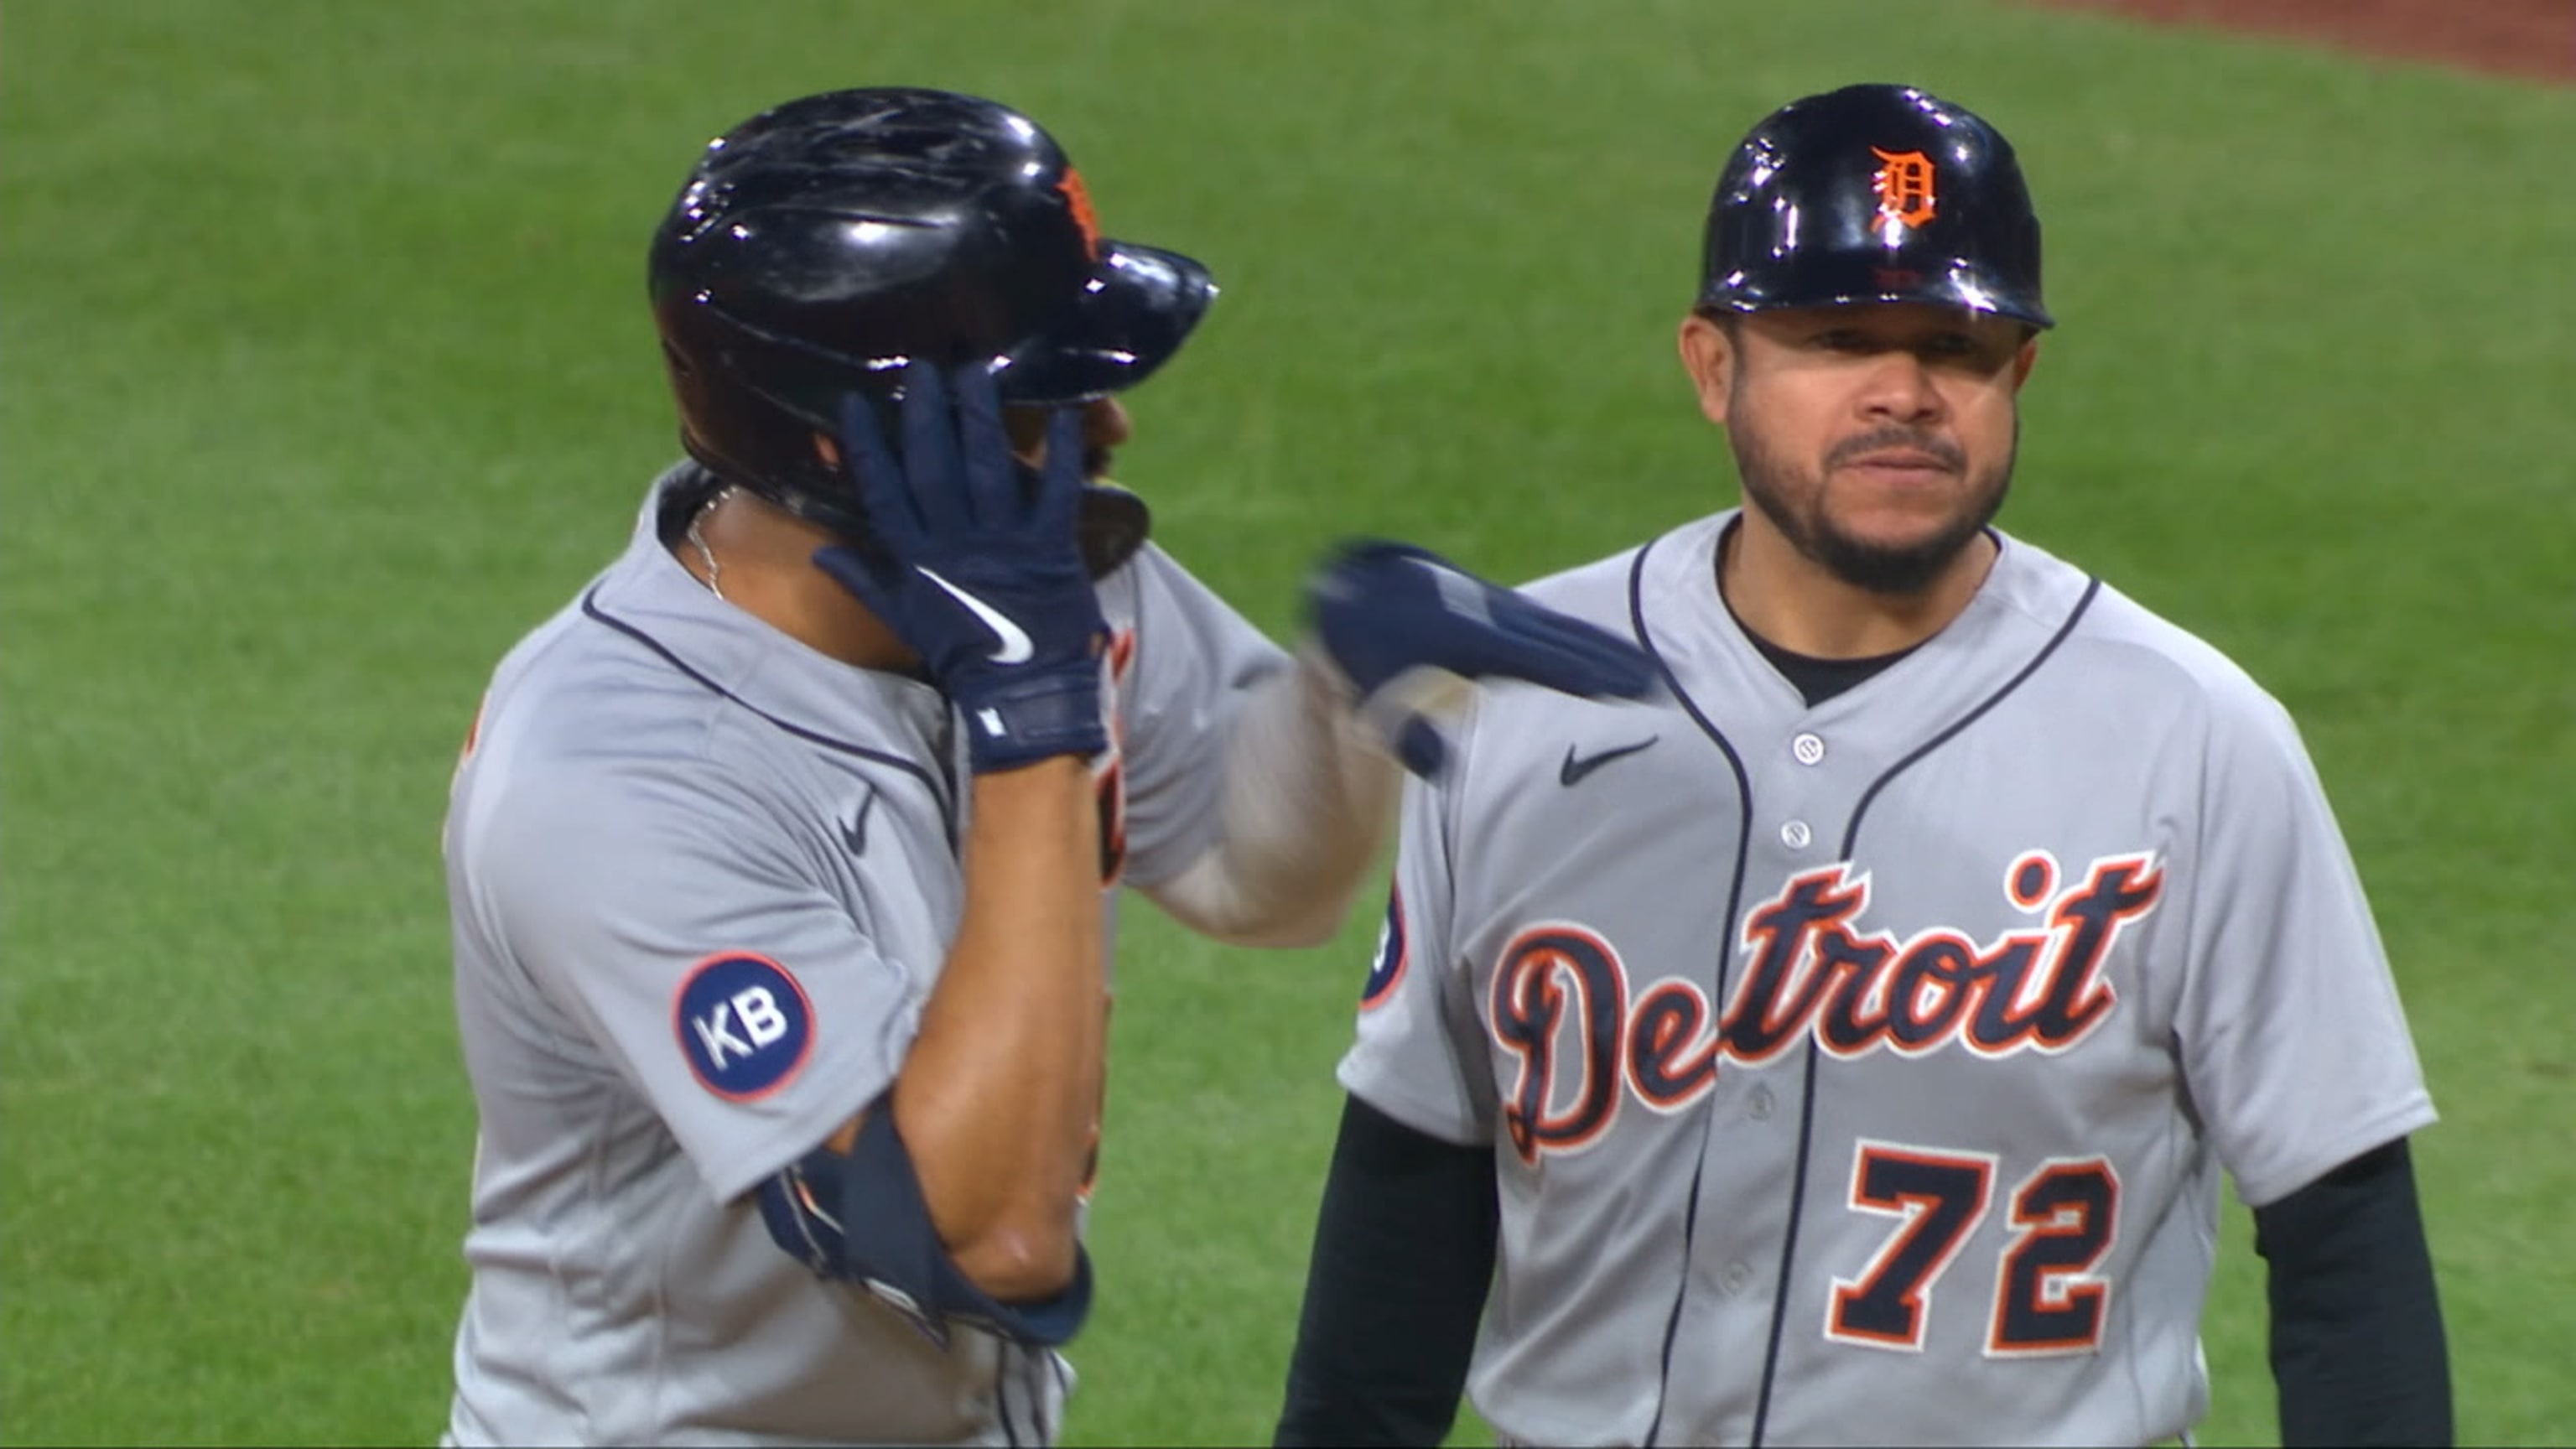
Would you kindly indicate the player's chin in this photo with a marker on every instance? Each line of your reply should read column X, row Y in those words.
column 1894, row 570
column 1894, row 497
column 1896, row 555
column 1919, row 526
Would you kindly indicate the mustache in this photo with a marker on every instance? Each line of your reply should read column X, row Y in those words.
column 1942, row 449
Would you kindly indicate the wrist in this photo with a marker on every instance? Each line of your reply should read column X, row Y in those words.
column 1032, row 778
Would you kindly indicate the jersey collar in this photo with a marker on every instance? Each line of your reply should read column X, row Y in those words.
column 649, row 595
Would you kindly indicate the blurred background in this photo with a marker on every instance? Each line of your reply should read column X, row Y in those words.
column 325, row 372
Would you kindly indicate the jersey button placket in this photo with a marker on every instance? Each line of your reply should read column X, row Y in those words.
column 1807, row 748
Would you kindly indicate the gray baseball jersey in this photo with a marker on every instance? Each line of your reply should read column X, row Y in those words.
column 1864, row 1072
column 702, row 880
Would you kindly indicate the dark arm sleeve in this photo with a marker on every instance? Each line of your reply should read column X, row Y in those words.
column 1404, row 1251
column 2357, row 1345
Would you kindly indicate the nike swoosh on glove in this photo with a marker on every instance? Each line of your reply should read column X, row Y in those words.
column 1411, row 631
column 981, row 569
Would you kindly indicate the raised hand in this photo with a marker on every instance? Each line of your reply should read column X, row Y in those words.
column 1411, row 631
column 980, row 572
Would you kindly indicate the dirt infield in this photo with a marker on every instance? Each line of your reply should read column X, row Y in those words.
column 2529, row 38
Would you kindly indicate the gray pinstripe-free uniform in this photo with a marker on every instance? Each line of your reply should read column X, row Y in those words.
column 657, row 778
column 1861, row 1210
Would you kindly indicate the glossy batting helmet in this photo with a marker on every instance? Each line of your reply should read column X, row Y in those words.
column 819, row 246
column 1873, row 193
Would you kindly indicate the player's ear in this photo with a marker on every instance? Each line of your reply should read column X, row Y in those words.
column 1708, row 355
column 2026, row 359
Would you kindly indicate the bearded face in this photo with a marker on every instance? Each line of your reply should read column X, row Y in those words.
column 1798, row 497
column 1877, row 439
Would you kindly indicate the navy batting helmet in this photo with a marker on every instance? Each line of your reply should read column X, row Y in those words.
column 821, row 245
column 1873, row 193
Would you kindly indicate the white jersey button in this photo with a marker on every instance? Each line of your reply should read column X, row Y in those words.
column 1735, row 1279
column 1758, row 1105
column 1808, row 748
column 1795, row 835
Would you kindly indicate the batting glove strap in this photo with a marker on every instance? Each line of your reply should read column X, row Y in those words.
column 1026, row 716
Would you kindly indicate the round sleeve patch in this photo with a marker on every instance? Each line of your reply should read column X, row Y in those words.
column 744, row 1025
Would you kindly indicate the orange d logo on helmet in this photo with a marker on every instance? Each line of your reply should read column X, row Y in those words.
column 1079, row 199
column 1903, row 183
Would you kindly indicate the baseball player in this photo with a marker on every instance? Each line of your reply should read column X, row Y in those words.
column 1847, row 1047
column 779, row 860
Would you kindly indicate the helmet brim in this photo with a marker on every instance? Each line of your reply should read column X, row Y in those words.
column 1834, row 280
column 1138, row 307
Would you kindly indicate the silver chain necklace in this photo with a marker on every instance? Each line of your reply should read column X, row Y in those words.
column 707, row 555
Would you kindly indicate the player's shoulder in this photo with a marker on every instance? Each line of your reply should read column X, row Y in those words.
column 1151, row 566
column 1597, row 591
column 592, row 732
column 581, row 749
column 578, row 688
column 1152, row 584
column 2119, row 640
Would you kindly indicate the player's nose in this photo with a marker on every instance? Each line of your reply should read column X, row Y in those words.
column 1900, row 388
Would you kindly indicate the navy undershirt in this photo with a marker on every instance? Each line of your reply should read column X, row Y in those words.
column 1818, row 680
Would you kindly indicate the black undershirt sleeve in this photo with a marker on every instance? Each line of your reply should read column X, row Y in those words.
column 2357, row 1346
column 1404, row 1252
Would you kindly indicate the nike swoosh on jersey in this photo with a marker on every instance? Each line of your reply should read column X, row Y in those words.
column 1015, row 647
column 854, row 831
column 1573, row 770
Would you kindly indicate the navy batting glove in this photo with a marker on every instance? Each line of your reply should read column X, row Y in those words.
column 1410, row 631
column 982, row 572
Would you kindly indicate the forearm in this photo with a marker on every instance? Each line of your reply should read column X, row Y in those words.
column 999, row 1094
column 2356, row 1333
column 1307, row 800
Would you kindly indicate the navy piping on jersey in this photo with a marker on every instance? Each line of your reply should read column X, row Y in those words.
column 1725, row 954
column 1025, row 1367
column 1032, row 1370
column 945, row 796
column 1004, row 1362
column 1807, row 1102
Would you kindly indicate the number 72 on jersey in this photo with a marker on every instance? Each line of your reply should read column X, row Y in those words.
column 2048, row 1295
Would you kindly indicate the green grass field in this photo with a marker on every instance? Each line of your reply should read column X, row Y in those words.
column 324, row 372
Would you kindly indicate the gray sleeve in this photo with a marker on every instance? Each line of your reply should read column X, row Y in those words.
column 2293, row 1043
column 1194, row 659
column 674, row 920
column 1419, row 1056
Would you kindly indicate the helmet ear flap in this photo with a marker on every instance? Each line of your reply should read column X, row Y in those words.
column 1111, row 525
